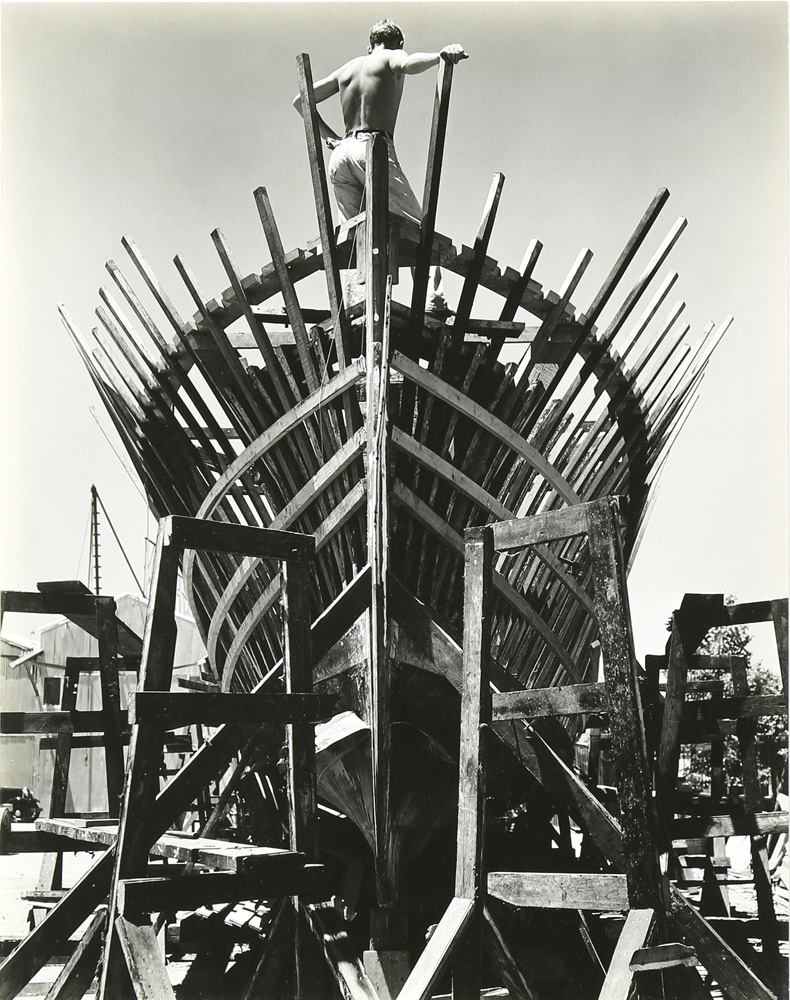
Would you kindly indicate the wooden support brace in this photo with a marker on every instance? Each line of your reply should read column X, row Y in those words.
column 144, row 960
column 573, row 699
column 188, row 892
column 662, row 956
column 173, row 710
column 620, row 977
column 627, row 725
column 554, row 890
column 77, row 974
column 439, row 950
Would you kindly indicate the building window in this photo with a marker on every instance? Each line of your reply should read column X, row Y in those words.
column 52, row 690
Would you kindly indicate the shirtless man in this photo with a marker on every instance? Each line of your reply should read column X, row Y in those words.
column 370, row 89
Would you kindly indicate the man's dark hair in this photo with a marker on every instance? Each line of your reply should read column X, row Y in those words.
column 386, row 33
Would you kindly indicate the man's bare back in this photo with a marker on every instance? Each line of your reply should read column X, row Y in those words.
column 370, row 91
column 371, row 86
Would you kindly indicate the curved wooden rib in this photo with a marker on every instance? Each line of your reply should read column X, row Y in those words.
column 455, row 543
column 485, row 419
column 325, row 476
column 348, row 506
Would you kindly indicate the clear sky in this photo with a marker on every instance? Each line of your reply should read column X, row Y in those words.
column 159, row 120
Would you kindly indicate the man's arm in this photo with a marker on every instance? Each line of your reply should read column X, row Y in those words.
column 418, row 62
column 323, row 89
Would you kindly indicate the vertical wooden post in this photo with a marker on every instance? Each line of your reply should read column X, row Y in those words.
column 625, row 707
column 111, row 701
column 68, row 703
column 470, row 878
column 753, row 796
column 674, row 701
column 779, row 616
column 298, row 667
column 430, row 197
column 376, row 305
column 145, row 752
column 323, row 211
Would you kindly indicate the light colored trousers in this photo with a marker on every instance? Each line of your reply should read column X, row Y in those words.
column 347, row 174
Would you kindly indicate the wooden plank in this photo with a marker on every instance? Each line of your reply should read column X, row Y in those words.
column 714, row 953
column 730, row 825
column 17, row 723
column 340, row 952
column 439, row 950
column 222, row 854
column 662, row 956
column 92, row 664
column 190, row 891
column 144, row 960
column 38, row 842
column 619, row 977
column 553, row 890
column 629, row 751
column 217, row 536
column 30, row 602
column 77, row 974
column 173, row 710
column 573, row 699
column 519, row 532
column 60, row 775
column 696, row 713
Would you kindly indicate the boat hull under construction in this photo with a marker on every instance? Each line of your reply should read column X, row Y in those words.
column 386, row 432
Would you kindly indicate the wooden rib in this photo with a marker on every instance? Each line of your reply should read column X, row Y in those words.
column 286, row 517
column 279, row 429
column 237, row 413
column 246, row 402
column 629, row 251
column 323, row 211
column 469, row 288
column 305, row 447
column 123, row 333
column 596, row 352
column 430, row 197
column 270, row 437
column 346, row 509
column 550, row 322
column 485, row 419
column 290, row 299
column 454, row 542
column 467, row 486
column 438, row 951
